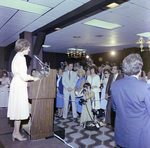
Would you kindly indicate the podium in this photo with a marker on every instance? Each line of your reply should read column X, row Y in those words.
column 42, row 107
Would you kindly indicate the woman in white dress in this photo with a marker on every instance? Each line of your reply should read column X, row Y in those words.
column 94, row 80
column 4, row 88
column 107, row 73
column 18, row 106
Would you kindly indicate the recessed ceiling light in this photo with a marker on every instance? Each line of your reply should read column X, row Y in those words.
column 112, row 5
column 145, row 34
column 102, row 24
column 98, row 36
column 57, row 29
column 46, row 46
column 24, row 6
column 76, row 36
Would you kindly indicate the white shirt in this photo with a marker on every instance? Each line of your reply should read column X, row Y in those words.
column 58, row 80
column 115, row 77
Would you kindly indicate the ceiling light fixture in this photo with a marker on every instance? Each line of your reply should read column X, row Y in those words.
column 24, row 6
column 102, row 24
column 144, row 34
column 98, row 36
column 76, row 53
column 113, row 53
column 112, row 5
column 141, row 41
column 57, row 29
column 76, row 36
column 87, row 56
column 46, row 46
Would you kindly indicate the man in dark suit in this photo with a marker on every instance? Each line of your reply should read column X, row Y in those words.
column 131, row 101
column 110, row 114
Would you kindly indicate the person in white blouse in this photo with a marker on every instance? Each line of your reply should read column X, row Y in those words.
column 4, row 88
column 107, row 73
column 94, row 80
column 18, row 106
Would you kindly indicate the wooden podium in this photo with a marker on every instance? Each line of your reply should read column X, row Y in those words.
column 42, row 108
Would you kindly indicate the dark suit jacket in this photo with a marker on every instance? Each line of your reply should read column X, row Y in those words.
column 131, row 101
column 108, row 87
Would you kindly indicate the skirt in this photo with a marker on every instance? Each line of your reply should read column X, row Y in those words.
column 79, row 106
column 59, row 100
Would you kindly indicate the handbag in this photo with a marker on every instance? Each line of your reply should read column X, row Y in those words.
column 92, row 125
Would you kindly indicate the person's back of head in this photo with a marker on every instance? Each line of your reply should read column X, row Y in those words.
column 132, row 64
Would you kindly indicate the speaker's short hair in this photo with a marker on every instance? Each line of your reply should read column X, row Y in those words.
column 21, row 45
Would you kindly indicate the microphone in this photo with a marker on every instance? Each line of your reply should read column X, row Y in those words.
column 38, row 60
column 46, row 67
column 41, row 63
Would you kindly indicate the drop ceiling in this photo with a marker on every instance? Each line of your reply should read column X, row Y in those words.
column 133, row 16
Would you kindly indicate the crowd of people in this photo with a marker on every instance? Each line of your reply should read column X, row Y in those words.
column 70, row 83
column 124, row 97
column 72, row 80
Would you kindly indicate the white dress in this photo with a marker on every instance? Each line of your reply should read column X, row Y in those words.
column 103, row 100
column 4, row 93
column 95, row 81
column 18, row 106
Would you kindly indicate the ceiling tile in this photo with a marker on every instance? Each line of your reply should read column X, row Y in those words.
column 109, row 17
column 48, row 3
column 54, row 14
column 121, row 6
column 67, row 6
column 82, row 1
column 130, row 10
column 4, row 11
column 26, row 16
column 3, row 20
column 137, row 1
column 9, row 41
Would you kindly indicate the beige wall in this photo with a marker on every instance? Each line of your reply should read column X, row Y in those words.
column 2, row 57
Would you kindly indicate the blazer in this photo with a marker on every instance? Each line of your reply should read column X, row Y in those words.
column 131, row 101
column 60, row 88
column 108, row 87
column 69, row 83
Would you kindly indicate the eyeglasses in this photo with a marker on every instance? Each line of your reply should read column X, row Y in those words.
column 105, row 73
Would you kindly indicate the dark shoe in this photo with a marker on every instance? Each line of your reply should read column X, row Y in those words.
column 62, row 118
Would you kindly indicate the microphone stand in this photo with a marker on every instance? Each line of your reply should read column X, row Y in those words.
column 42, row 64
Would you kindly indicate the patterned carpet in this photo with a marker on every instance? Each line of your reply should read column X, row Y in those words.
column 78, row 137
column 75, row 135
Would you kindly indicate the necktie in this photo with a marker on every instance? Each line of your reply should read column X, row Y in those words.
column 69, row 75
column 100, row 76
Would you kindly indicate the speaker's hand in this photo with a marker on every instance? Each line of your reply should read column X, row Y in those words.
column 36, row 78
